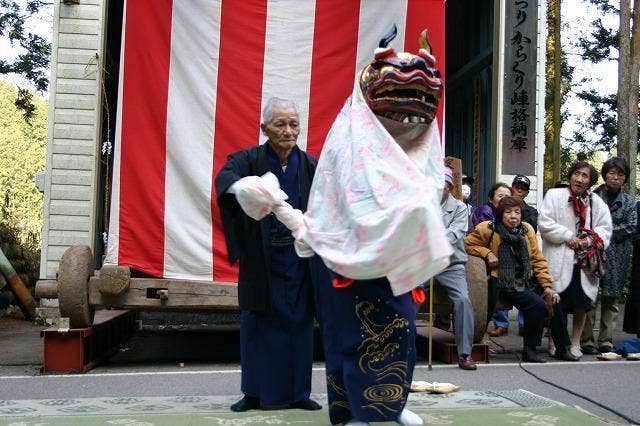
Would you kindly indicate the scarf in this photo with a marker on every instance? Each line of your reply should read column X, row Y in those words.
column 591, row 259
column 512, row 249
column 579, row 204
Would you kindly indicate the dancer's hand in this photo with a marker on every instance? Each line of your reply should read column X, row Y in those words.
column 257, row 195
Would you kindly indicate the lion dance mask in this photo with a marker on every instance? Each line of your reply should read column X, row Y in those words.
column 402, row 86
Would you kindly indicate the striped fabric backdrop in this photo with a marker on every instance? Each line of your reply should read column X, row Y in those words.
column 194, row 76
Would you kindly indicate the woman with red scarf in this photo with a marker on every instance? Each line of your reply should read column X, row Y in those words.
column 575, row 227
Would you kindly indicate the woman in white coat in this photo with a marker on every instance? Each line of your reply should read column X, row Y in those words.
column 575, row 227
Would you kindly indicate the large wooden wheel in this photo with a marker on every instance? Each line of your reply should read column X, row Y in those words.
column 479, row 295
column 76, row 266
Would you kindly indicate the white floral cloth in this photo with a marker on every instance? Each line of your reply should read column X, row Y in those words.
column 374, row 206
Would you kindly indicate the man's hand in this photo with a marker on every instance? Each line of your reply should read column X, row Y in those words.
column 492, row 260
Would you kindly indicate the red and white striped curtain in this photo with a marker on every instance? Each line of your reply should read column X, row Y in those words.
column 193, row 79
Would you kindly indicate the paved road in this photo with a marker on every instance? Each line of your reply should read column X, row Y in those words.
column 149, row 365
column 590, row 379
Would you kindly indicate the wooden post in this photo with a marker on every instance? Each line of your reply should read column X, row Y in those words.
column 557, row 90
column 430, row 321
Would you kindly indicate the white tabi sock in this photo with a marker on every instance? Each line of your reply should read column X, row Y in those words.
column 355, row 422
column 409, row 418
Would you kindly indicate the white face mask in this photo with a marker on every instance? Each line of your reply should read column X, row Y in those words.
column 466, row 191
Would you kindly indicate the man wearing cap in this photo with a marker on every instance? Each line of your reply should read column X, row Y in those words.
column 520, row 189
column 453, row 279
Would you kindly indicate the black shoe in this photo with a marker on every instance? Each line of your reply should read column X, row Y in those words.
column 589, row 350
column 530, row 355
column 307, row 404
column 245, row 404
column 603, row 349
column 566, row 355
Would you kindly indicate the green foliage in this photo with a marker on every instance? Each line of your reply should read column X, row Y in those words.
column 602, row 122
column 33, row 61
column 23, row 148
column 601, row 43
column 598, row 129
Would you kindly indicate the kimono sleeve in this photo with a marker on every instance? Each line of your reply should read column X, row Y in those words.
column 237, row 166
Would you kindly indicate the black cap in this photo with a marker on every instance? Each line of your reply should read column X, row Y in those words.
column 467, row 179
column 521, row 180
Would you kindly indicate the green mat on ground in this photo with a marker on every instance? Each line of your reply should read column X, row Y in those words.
column 516, row 407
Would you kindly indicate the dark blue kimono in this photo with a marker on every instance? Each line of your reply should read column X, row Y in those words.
column 275, row 285
column 369, row 342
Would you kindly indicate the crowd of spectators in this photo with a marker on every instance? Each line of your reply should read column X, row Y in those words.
column 569, row 258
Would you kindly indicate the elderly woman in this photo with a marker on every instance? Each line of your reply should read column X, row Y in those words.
column 575, row 227
column 487, row 211
column 518, row 271
column 615, row 173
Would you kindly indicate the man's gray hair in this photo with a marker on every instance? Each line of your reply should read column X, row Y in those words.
column 276, row 103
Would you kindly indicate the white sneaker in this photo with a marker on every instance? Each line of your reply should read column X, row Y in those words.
column 552, row 350
column 409, row 418
column 575, row 351
column 355, row 422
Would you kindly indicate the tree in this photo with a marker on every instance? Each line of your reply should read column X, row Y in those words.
column 558, row 85
column 614, row 120
column 628, row 73
column 33, row 61
column 23, row 148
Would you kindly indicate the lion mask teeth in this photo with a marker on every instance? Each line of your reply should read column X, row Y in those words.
column 402, row 86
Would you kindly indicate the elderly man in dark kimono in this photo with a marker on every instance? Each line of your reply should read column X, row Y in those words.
column 274, row 285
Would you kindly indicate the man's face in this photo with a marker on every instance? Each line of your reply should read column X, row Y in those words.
column 283, row 129
column 520, row 191
column 579, row 181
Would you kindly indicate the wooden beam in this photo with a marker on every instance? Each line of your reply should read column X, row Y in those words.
column 147, row 293
column 46, row 289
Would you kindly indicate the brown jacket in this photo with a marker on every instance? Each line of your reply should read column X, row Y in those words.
column 480, row 243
